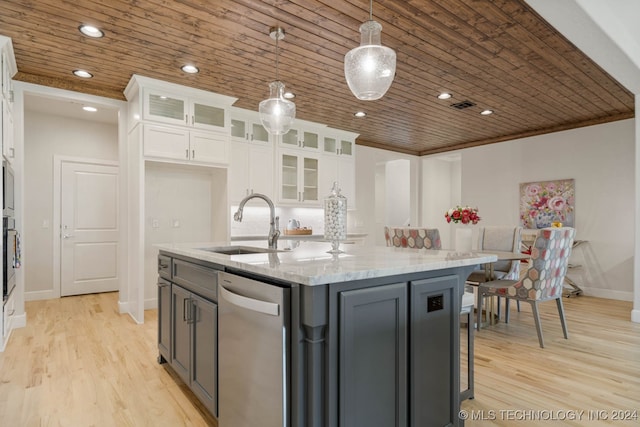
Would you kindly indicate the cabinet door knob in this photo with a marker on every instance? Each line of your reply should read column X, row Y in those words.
column 186, row 119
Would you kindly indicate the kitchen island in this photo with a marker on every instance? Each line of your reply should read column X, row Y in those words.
column 370, row 335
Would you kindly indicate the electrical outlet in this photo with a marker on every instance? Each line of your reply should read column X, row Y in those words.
column 155, row 223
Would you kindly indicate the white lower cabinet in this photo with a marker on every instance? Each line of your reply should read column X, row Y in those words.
column 185, row 145
column 8, row 312
column 251, row 170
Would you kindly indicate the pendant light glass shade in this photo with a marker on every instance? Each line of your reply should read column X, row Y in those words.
column 277, row 113
column 370, row 67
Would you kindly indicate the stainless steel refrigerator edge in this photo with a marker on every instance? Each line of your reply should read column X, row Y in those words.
column 253, row 351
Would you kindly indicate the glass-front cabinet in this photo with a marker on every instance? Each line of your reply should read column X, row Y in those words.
column 299, row 178
column 248, row 131
column 168, row 107
column 301, row 138
column 339, row 146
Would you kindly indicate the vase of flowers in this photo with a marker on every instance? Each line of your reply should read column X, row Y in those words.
column 464, row 215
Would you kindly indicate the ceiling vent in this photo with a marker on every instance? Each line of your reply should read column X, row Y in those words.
column 462, row 105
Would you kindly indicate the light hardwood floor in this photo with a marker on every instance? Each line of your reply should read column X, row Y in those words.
column 80, row 363
column 596, row 369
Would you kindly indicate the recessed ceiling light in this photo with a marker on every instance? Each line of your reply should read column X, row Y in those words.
column 444, row 95
column 191, row 69
column 360, row 114
column 82, row 73
column 89, row 108
column 486, row 112
column 91, row 31
column 289, row 95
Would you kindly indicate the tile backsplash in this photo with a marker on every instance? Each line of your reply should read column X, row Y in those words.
column 255, row 220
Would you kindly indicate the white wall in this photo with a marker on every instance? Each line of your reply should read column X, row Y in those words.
column 46, row 135
column 601, row 159
column 398, row 192
column 182, row 204
column 441, row 190
column 363, row 219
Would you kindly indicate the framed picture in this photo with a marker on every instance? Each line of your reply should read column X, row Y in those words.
column 545, row 202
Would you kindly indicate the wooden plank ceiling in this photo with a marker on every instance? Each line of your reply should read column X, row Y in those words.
column 497, row 54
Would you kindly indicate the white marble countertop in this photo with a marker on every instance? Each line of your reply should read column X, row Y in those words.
column 308, row 263
column 350, row 236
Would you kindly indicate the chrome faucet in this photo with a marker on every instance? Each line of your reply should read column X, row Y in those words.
column 274, row 221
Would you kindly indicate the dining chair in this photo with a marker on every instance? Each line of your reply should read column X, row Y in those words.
column 413, row 237
column 542, row 281
column 498, row 238
column 429, row 239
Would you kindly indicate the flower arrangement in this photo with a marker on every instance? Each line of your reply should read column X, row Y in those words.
column 465, row 215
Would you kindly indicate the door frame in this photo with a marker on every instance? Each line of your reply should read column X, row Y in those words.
column 58, row 161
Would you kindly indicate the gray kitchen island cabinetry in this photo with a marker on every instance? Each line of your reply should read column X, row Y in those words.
column 187, row 307
column 373, row 333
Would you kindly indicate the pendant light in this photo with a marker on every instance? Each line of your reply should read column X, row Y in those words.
column 276, row 112
column 370, row 67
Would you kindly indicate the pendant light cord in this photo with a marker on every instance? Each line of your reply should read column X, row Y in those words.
column 278, row 38
column 370, row 10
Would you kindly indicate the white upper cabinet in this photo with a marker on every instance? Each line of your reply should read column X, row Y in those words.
column 7, row 70
column 8, row 150
column 338, row 142
column 251, row 170
column 298, row 178
column 338, row 164
column 165, row 107
column 157, row 101
column 246, row 127
column 180, row 124
column 301, row 138
column 166, row 142
column 252, row 158
column 305, row 135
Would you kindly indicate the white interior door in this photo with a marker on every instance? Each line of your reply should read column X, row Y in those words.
column 89, row 229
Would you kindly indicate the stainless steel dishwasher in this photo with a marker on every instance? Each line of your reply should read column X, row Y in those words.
column 253, row 353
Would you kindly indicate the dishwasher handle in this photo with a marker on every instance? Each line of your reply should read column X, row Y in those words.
column 265, row 307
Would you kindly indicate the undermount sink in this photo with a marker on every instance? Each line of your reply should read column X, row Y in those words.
column 239, row 250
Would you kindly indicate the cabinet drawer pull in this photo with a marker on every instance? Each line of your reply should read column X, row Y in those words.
column 193, row 154
column 186, row 154
column 186, row 119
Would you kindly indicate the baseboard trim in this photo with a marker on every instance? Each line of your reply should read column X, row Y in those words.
column 40, row 295
column 19, row 321
column 606, row 293
column 151, row 303
column 635, row 316
column 123, row 307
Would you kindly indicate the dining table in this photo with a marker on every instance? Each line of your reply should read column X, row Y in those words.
column 493, row 314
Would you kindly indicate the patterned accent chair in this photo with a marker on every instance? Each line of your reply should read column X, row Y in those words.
column 504, row 239
column 543, row 280
column 429, row 238
column 416, row 238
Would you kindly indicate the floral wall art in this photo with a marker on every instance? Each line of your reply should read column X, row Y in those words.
column 545, row 202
